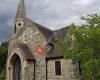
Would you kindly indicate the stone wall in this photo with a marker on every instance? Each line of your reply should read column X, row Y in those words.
column 69, row 70
column 27, row 66
column 40, row 69
column 29, row 70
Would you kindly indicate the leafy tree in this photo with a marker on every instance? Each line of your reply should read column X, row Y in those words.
column 3, row 57
column 83, row 45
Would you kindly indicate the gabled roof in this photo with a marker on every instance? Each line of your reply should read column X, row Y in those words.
column 46, row 32
column 26, row 51
column 54, row 52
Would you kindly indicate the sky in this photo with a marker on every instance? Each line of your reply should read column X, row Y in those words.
column 53, row 14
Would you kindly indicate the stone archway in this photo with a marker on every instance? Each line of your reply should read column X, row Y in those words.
column 15, row 69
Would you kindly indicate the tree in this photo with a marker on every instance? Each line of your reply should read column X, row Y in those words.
column 83, row 45
column 3, row 57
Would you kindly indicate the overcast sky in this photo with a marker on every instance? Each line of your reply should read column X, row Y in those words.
column 53, row 14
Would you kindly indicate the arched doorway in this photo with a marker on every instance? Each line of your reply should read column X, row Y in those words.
column 15, row 72
column 17, row 69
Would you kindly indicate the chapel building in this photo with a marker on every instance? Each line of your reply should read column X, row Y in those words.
column 32, row 54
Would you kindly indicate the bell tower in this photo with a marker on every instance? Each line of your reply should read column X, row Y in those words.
column 18, row 23
column 20, row 17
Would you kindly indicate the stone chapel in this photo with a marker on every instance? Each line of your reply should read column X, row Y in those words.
column 32, row 54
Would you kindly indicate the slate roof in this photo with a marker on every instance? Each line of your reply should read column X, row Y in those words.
column 46, row 32
column 54, row 54
column 61, row 33
column 50, row 35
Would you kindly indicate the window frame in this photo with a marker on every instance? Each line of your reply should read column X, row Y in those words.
column 58, row 68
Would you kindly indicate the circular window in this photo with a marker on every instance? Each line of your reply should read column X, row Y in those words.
column 19, row 24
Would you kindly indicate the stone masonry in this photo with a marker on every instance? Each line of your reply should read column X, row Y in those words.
column 33, row 45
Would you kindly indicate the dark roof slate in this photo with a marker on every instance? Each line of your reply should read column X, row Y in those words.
column 46, row 32
column 61, row 33
column 54, row 54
